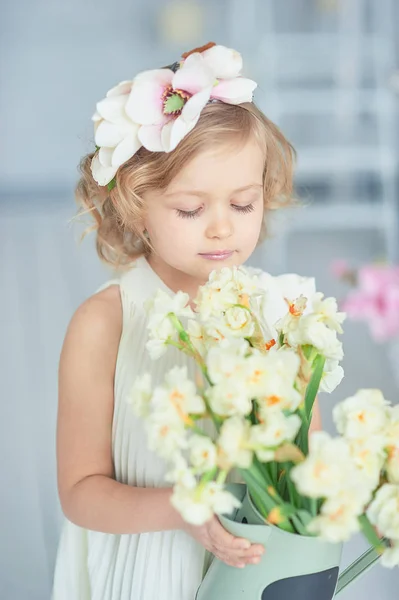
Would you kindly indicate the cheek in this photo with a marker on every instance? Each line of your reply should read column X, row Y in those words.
column 170, row 231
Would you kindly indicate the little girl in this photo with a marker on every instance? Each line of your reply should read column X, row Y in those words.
column 185, row 172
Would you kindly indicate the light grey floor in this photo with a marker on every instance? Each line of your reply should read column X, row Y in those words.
column 44, row 276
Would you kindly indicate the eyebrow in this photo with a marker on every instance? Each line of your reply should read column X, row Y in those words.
column 201, row 194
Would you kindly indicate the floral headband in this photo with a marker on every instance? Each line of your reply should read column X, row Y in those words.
column 159, row 107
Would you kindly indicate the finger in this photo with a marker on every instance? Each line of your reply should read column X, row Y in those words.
column 227, row 539
column 232, row 562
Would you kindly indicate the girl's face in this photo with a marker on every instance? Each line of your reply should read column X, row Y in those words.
column 209, row 217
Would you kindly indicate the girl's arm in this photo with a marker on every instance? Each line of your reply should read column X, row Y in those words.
column 90, row 496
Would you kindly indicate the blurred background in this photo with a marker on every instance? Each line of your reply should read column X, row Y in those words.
column 328, row 76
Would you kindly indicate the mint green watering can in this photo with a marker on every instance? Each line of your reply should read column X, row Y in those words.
column 293, row 566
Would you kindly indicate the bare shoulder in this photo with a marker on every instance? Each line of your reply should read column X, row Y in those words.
column 98, row 320
column 86, row 390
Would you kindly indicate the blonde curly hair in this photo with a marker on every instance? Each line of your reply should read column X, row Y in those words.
column 118, row 214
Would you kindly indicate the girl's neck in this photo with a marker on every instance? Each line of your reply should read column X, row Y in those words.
column 174, row 279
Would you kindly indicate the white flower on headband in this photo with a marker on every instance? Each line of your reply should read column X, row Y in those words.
column 160, row 107
column 168, row 104
column 115, row 134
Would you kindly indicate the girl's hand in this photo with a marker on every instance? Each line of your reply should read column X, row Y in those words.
column 234, row 551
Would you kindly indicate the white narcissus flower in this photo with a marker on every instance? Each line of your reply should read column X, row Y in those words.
column 338, row 519
column 368, row 456
column 364, row 414
column 327, row 312
column 203, row 453
column 234, row 444
column 383, row 511
column 160, row 326
column 181, row 473
column 275, row 430
column 392, row 465
column 271, row 377
column 115, row 134
column 392, row 430
column 238, row 321
column 390, row 557
column 197, row 335
column 216, row 295
column 226, row 360
column 332, row 376
column 229, row 398
column 224, row 289
column 327, row 468
column 141, row 394
column 180, row 394
column 221, row 501
column 166, row 434
column 198, row 505
column 191, row 505
column 311, row 331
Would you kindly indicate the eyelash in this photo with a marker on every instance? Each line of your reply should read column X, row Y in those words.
column 193, row 214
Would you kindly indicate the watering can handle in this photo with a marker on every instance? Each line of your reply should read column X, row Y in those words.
column 359, row 567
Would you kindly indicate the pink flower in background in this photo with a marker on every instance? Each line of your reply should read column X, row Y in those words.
column 375, row 300
column 339, row 267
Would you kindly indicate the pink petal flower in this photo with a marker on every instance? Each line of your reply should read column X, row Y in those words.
column 122, row 88
column 150, row 137
column 126, row 148
column 145, row 102
column 373, row 277
column 194, row 75
column 173, row 132
column 234, row 91
column 112, row 108
column 225, row 63
column 339, row 267
column 102, row 175
column 194, row 105
column 108, row 134
column 105, row 156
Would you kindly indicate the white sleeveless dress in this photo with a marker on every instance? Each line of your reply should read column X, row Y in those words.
column 166, row 565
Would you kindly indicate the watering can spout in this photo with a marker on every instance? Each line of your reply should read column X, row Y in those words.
column 359, row 567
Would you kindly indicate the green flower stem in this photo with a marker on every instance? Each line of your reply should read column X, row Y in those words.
column 175, row 344
column 313, row 506
column 310, row 396
column 221, row 478
column 380, row 544
column 198, row 430
column 208, row 476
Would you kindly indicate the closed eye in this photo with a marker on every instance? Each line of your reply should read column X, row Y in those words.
column 188, row 214
column 192, row 214
column 244, row 209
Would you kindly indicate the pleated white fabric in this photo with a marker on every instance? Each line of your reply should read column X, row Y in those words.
column 100, row 566
column 164, row 565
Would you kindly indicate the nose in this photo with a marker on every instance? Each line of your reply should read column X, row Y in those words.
column 219, row 227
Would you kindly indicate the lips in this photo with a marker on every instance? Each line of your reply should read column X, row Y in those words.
column 217, row 254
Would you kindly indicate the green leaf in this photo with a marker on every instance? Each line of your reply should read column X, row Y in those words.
column 371, row 534
column 307, row 351
column 111, row 184
column 173, row 104
column 310, row 395
column 314, row 384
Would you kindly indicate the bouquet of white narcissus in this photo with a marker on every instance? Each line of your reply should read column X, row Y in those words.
column 250, row 410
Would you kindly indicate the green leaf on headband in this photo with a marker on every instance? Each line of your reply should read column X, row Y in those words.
column 111, row 184
column 173, row 104
column 97, row 148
